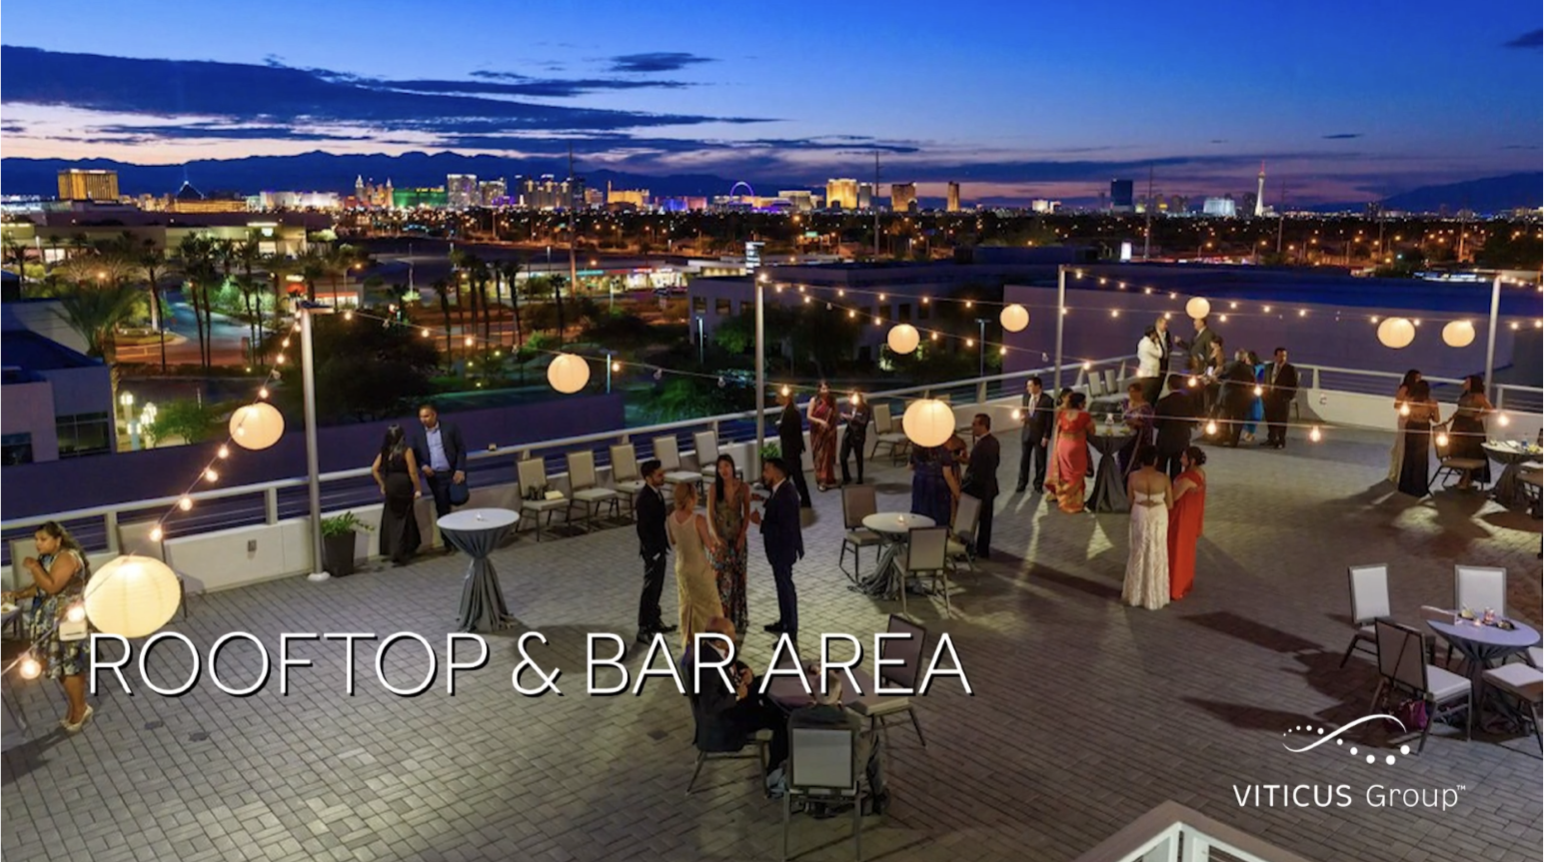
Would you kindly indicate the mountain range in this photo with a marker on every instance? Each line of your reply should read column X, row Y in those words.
column 322, row 171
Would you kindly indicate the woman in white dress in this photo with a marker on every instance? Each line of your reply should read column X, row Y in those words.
column 1401, row 410
column 696, row 585
column 1147, row 566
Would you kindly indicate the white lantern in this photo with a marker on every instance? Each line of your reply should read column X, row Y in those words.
column 1396, row 332
column 903, row 338
column 1198, row 308
column 1014, row 317
column 568, row 373
column 1459, row 333
column 929, row 422
column 257, row 426
column 132, row 596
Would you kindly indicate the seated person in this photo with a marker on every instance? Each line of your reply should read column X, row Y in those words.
column 727, row 718
column 828, row 711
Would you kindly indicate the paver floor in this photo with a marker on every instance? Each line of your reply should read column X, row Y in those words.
column 1086, row 713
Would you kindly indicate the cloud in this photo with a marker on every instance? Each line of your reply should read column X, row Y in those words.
column 1532, row 39
column 245, row 94
column 657, row 61
column 1342, row 136
column 1520, row 147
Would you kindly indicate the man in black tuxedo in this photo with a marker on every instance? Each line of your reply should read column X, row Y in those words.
column 790, row 436
column 1035, row 436
column 441, row 455
column 981, row 480
column 1174, row 416
column 1238, row 383
column 783, row 537
column 727, row 716
column 1280, row 388
column 1200, row 347
column 653, row 546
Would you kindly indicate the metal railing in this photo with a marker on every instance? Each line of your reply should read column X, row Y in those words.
column 1173, row 833
column 1509, row 396
column 270, row 502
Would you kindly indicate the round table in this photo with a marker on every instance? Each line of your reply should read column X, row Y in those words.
column 476, row 532
column 1511, row 456
column 893, row 528
column 1482, row 646
column 1109, row 493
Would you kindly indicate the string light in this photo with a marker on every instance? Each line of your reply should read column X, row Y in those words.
column 1503, row 420
column 1404, row 409
column 29, row 667
column 348, row 315
column 1211, row 428
column 156, row 533
column 1315, row 435
column 211, row 475
column 262, row 392
column 1442, row 440
column 185, row 503
column 223, row 452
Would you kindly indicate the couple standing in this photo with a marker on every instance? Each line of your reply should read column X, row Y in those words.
column 701, row 598
column 438, row 455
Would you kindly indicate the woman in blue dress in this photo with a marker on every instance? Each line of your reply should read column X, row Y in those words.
column 934, row 487
column 1257, row 405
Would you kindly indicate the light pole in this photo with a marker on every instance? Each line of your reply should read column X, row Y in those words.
column 608, row 372
column 313, row 469
column 701, row 344
column 1061, row 313
column 1490, row 341
column 761, row 369
column 981, row 366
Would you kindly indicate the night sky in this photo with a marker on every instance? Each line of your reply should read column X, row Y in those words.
column 1343, row 101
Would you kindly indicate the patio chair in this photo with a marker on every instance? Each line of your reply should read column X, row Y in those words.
column 888, row 435
column 1369, row 603
column 1447, row 465
column 962, row 544
column 714, row 740
column 585, row 491
column 1478, row 588
column 1526, row 685
column 624, row 474
column 706, row 444
column 878, row 708
column 821, row 768
column 858, row 502
column 1402, row 668
column 669, row 455
column 926, row 555
column 1434, row 640
column 532, row 473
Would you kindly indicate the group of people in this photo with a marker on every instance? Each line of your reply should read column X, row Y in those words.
column 711, row 549
column 1238, row 391
column 824, row 413
column 433, row 456
column 1420, row 417
column 1166, row 524
column 940, row 475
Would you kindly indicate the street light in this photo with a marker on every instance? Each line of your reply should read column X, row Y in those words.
column 981, row 323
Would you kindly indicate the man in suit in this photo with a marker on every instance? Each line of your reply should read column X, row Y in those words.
column 441, row 455
column 653, row 545
column 1174, row 416
column 1200, row 347
column 855, row 435
column 1280, row 388
column 790, row 436
column 783, row 537
column 1035, row 435
column 1238, row 383
column 728, row 716
column 981, row 480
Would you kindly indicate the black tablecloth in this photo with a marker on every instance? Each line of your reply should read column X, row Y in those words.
column 1109, row 493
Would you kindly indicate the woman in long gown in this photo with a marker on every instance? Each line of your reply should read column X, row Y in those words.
column 729, row 512
column 1138, row 418
column 1072, row 463
column 1466, row 431
column 823, row 419
column 1185, row 521
column 396, row 472
column 933, row 486
column 1415, row 465
column 1147, row 561
column 696, row 588
column 1051, row 471
column 1401, row 410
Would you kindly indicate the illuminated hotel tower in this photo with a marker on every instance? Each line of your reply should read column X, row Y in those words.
column 1259, row 200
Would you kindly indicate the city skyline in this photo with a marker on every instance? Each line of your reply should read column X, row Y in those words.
column 1034, row 106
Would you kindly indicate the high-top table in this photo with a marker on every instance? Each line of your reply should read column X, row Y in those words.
column 893, row 528
column 1109, row 493
column 476, row 532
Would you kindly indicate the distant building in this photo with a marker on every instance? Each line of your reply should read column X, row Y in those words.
column 493, row 193
column 1122, row 199
column 1259, row 204
column 57, row 402
column 683, row 204
column 865, row 196
column 1179, row 204
column 461, row 191
column 294, row 201
column 1041, row 205
column 842, row 194
column 78, row 185
column 190, row 200
column 408, row 199
column 1250, row 204
column 903, row 196
column 953, row 201
column 638, row 198
column 372, row 196
column 546, row 193
column 799, row 200
column 1223, row 207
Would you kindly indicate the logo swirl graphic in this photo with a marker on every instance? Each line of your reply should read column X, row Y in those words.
column 1338, row 733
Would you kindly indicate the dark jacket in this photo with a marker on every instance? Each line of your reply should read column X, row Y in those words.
column 450, row 438
column 1166, row 342
column 1174, row 415
column 713, row 706
column 981, row 473
column 1281, row 384
column 1039, row 417
column 780, row 528
column 858, row 422
column 1200, row 348
column 1238, row 383
column 790, row 434
column 651, row 510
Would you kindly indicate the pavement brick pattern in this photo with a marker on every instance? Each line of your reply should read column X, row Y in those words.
column 1086, row 713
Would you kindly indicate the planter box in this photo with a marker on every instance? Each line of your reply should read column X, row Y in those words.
column 338, row 554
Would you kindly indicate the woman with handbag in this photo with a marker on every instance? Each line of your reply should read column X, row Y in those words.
column 59, row 574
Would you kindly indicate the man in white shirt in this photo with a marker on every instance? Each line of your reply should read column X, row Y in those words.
column 1150, row 356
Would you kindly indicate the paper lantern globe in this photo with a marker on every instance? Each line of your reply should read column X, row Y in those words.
column 1198, row 308
column 1459, row 333
column 1014, row 317
column 257, row 426
column 132, row 596
column 929, row 422
column 568, row 373
column 903, row 338
column 1396, row 332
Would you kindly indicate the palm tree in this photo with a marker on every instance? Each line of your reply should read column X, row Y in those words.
column 557, row 297
column 509, row 271
column 96, row 312
column 16, row 253
column 278, row 266
column 198, row 265
column 248, row 255
column 152, row 262
column 442, row 290
column 312, row 266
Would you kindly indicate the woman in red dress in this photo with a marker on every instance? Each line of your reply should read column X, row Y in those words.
column 1185, row 521
column 1072, row 428
column 823, row 418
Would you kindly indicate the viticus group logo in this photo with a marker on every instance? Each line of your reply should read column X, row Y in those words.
column 1307, row 740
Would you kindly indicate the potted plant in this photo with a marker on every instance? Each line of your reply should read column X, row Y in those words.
column 338, row 543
